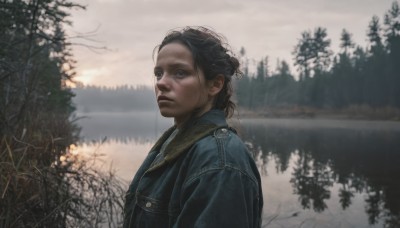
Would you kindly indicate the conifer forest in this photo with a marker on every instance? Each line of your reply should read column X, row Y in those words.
column 356, row 76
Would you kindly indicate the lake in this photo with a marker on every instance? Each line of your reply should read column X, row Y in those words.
column 315, row 173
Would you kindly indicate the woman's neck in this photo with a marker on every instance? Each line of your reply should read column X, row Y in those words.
column 180, row 122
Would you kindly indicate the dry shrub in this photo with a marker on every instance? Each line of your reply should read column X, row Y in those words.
column 44, row 184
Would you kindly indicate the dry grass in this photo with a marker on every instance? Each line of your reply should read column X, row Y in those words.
column 44, row 184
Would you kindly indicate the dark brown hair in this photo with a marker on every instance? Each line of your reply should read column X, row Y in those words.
column 213, row 56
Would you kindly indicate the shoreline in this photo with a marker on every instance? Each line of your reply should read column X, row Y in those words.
column 349, row 113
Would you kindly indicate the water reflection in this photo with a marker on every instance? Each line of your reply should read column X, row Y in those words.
column 332, row 160
column 314, row 173
column 121, row 141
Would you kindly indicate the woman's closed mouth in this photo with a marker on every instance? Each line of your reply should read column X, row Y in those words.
column 163, row 98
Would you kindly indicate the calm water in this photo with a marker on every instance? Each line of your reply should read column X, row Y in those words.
column 315, row 173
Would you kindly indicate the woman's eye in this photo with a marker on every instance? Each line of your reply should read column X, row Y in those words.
column 180, row 73
column 158, row 74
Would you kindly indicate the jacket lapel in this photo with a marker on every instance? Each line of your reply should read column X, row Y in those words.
column 182, row 142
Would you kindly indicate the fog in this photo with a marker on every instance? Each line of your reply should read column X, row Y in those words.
column 142, row 126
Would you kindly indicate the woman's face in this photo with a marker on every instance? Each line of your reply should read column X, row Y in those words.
column 180, row 89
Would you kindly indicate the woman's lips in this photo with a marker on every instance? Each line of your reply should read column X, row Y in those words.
column 163, row 98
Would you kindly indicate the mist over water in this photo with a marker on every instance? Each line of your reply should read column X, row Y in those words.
column 123, row 126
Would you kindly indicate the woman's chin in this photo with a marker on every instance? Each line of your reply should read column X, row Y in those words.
column 166, row 114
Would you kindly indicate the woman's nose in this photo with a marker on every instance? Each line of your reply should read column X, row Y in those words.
column 163, row 83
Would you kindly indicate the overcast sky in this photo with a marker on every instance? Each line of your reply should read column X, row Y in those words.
column 130, row 29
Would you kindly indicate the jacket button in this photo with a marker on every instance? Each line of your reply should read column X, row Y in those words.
column 221, row 133
column 148, row 204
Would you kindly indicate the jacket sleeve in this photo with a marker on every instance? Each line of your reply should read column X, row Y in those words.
column 220, row 197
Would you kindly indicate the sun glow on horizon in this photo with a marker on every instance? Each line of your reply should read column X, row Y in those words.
column 87, row 76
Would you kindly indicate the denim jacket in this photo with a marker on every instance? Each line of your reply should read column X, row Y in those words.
column 206, row 178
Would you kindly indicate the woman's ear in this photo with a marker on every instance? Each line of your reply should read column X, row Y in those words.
column 215, row 85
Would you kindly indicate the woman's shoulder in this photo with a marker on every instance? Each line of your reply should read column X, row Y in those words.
column 222, row 136
column 223, row 149
column 222, row 140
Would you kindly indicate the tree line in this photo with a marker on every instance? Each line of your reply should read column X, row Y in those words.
column 121, row 98
column 354, row 76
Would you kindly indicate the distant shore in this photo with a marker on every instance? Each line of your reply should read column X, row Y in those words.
column 361, row 112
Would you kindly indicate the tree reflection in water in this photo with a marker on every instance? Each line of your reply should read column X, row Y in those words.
column 311, row 181
column 358, row 161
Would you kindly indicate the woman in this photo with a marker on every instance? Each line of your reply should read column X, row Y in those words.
column 199, row 173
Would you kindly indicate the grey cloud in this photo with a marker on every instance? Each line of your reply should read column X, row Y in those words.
column 263, row 27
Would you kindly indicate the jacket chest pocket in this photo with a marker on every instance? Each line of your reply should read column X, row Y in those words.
column 151, row 205
column 154, row 213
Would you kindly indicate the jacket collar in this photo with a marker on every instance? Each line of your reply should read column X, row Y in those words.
column 190, row 133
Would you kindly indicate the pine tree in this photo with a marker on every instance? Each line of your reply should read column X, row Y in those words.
column 346, row 41
column 36, row 60
column 374, row 32
column 303, row 55
column 321, row 50
column 392, row 35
